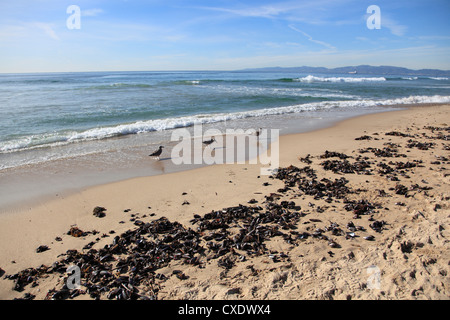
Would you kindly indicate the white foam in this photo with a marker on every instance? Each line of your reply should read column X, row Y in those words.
column 62, row 138
column 173, row 123
column 311, row 78
column 438, row 78
column 296, row 92
column 193, row 82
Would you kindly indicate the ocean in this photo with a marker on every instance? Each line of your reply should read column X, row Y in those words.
column 114, row 119
column 40, row 112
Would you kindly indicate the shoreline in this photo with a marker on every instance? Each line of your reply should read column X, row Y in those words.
column 33, row 184
column 179, row 195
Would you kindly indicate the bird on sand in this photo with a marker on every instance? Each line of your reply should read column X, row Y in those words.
column 257, row 133
column 208, row 142
column 157, row 153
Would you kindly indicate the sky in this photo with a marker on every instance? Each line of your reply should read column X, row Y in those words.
column 156, row 35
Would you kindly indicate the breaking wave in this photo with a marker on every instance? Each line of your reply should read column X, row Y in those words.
column 311, row 78
column 61, row 138
column 117, row 85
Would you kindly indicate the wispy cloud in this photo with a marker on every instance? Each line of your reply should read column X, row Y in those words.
column 433, row 37
column 266, row 11
column 134, row 32
column 91, row 12
column 47, row 28
column 322, row 43
column 395, row 28
column 311, row 12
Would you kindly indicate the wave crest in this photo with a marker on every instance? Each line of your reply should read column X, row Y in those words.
column 311, row 78
column 46, row 140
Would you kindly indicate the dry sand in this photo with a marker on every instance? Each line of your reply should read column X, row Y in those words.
column 408, row 259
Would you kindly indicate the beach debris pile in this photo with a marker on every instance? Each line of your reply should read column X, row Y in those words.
column 128, row 267
column 131, row 262
column 99, row 212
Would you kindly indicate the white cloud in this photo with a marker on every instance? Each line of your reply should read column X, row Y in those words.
column 91, row 12
column 311, row 12
column 27, row 31
column 269, row 11
column 322, row 43
column 433, row 38
column 395, row 28
column 47, row 28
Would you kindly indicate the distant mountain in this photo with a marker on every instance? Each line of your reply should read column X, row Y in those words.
column 363, row 69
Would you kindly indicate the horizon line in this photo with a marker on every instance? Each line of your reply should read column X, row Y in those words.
column 223, row 70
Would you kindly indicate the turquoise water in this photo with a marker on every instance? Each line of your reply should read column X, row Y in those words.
column 41, row 112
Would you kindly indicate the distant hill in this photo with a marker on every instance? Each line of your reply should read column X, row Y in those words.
column 363, row 69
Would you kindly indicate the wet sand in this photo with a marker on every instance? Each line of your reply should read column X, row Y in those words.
column 397, row 193
column 39, row 181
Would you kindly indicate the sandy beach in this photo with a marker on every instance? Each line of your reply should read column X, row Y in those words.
column 359, row 210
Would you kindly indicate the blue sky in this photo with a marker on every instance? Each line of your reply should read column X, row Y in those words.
column 118, row 35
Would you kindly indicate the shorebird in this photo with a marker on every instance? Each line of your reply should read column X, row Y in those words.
column 208, row 142
column 157, row 153
column 257, row 133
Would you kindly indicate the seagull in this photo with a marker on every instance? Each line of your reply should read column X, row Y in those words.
column 157, row 153
column 208, row 142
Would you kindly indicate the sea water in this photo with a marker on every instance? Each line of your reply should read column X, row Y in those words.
column 99, row 122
